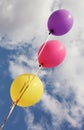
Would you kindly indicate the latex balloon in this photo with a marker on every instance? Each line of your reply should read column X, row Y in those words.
column 26, row 90
column 51, row 54
column 60, row 22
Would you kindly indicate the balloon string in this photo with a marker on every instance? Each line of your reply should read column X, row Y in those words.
column 7, row 117
column 18, row 96
column 43, row 47
column 26, row 86
column 37, row 71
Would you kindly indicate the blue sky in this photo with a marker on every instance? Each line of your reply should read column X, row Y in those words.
column 23, row 29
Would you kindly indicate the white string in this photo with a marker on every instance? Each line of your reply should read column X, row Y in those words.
column 7, row 117
column 43, row 47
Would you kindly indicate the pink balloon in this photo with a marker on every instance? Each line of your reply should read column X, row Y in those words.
column 51, row 54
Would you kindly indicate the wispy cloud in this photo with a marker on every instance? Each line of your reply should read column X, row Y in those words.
column 29, row 118
column 21, row 21
column 63, row 111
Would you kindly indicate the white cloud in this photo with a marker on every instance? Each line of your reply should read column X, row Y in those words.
column 61, row 111
column 20, row 64
column 23, row 20
column 17, row 67
column 30, row 121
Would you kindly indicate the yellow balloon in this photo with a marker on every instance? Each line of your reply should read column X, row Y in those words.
column 26, row 90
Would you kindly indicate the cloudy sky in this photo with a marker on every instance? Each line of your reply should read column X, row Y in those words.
column 23, row 29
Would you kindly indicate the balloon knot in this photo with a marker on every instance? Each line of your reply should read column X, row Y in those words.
column 51, row 31
column 40, row 65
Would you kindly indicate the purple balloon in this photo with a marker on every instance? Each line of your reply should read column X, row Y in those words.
column 60, row 22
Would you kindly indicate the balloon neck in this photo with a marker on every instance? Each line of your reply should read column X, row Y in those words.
column 51, row 31
column 40, row 65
